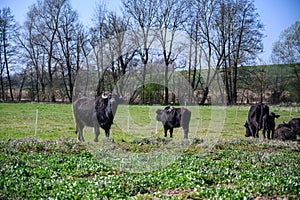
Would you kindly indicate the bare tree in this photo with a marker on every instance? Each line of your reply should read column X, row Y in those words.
column 53, row 44
column 245, row 39
column 111, row 47
column 96, row 39
column 8, row 30
column 33, row 55
column 46, row 23
column 228, row 34
column 120, row 45
column 144, row 17
column 287, row 49
column 170, row 19
column 211, row 49
column 68, row 39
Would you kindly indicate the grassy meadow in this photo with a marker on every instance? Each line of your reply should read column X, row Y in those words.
column 138, row 162
column 56, row 121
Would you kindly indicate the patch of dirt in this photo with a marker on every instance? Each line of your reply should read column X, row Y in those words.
column 182, row 194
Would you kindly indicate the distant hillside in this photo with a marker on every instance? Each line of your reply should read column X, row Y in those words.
column 272, row 83
column 269, row 83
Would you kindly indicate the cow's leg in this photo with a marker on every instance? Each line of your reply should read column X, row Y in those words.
column 80, row 136
column 252, row 130
column 171, row 132
column 97, row 133
column 264, row 133
column 257, row 130
column 272, row 134
column 79, row 129
column 165, row 131
column 107, row 133
column 186, row 131
column 268, row 134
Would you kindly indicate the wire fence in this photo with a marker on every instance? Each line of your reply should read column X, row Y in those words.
column 43, row 122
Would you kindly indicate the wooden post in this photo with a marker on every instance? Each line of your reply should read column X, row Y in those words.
column 36, row 121
column 128, row 123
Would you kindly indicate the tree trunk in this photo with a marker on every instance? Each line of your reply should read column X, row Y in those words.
column 21, row 88
column 7, row 69
column 227, row 82
column 2, row 85
column 51, row 85
column 205, row 95
column 166, row 99
column 235, row 84
column 37, row 91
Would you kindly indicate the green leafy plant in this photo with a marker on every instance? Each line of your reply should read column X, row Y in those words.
column 56, row 167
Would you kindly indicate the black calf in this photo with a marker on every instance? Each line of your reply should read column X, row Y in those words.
column 268, row 124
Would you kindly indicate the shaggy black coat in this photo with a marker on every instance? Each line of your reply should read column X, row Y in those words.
column 173, row 118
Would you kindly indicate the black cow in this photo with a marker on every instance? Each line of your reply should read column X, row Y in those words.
column 268, row 124
column 95, row 113
column 173, row 118
column 284, row 132
column 254, row 122
column 295, row 125
column 288, row 131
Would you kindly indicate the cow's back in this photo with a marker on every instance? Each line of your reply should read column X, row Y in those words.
column 84, row 111
column 284, row 133
column 256, row 113
column 174, row 117
column 185, row 117
column 252, row 113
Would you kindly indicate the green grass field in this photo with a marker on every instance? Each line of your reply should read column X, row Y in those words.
column 56, row 121
column 138, row 162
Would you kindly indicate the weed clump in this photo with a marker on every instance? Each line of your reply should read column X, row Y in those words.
column 30, row 145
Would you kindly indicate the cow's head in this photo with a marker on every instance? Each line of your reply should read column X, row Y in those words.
column 108, row 103
column 111, row 101
column 273, row 115
column 248, row 131
column 167, row 116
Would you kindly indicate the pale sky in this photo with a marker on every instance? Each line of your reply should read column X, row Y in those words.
column 276, row 15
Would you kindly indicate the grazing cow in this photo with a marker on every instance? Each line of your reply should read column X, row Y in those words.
column 268, row 124
column 95, row 113
column 254, row 122
column 284, row 132
column 173, row 118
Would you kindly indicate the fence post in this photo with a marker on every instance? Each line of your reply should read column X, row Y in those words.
column 128, row 123
column 36, row 121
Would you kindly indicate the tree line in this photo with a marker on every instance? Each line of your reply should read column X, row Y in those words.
column 41, row 57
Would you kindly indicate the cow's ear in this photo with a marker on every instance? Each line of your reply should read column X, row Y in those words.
column 277, row 116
